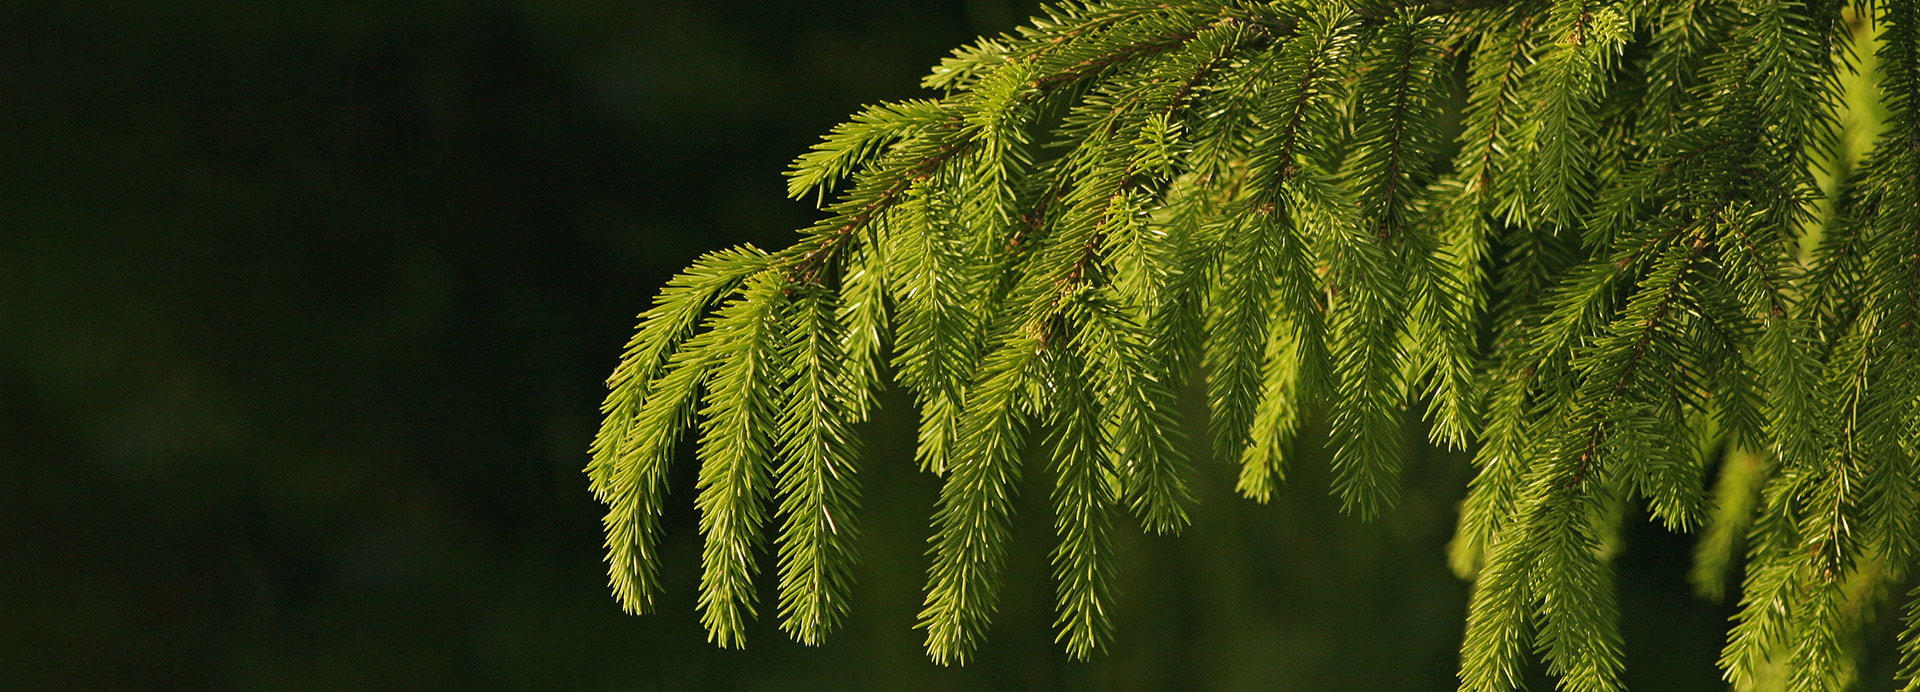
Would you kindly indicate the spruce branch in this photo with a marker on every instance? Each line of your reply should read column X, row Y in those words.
column 1646, row 248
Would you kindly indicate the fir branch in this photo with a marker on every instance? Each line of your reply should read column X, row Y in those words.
column 638, row 479
column 1384, row 10
column 1910, row 643
column 1125, row 189
column 970, row 527
column 1569, row 83
column 816, row 480
column 1266, row 264
column 1396, row 138
column 663, row 329
column 650, row 402
column 1142, row 439
column 1083, row 561
column 1278, row 416
column 739, row 428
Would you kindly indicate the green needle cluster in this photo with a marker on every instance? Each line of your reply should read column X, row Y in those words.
column 1613, row 248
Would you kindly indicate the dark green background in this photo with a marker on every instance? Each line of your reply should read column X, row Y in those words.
column 304, row 315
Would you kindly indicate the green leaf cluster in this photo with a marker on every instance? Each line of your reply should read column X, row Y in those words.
column 1611, row 247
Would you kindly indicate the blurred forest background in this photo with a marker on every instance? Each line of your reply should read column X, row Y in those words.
column 305, row 312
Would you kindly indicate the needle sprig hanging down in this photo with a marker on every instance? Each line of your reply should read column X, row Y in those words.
column 1610, row 247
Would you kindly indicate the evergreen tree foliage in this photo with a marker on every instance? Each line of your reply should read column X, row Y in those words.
column 1612, row 247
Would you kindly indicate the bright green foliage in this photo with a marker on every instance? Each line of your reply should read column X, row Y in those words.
column 1608, row 246
column 818, row 491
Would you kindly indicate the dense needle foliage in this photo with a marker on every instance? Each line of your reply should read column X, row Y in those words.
column 1614, row 248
